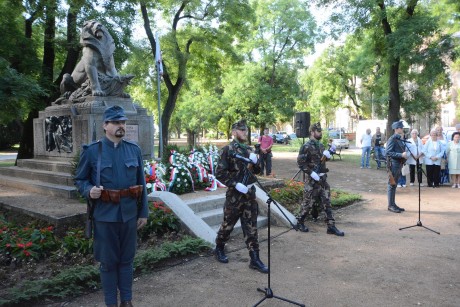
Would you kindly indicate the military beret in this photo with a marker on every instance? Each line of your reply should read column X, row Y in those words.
column 316, row 126
column 114, row 113
column 397, row 125
column 240, row 125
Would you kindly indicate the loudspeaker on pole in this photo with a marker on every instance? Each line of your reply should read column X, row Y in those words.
column 302, row 124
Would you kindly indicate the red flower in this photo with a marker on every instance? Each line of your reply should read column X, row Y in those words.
column 8, row 245
column 26, row 253
column 50, row 228
column 28, row 244
column 20, row 245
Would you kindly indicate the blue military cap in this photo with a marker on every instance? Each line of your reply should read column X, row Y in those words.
column 398, row 124
column 114, row 113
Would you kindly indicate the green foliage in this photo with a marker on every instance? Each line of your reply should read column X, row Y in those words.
column 146, row 260
column 21, row 244
column 75, row 243
column 291, row 195
column 68, row 283
column 161, row 220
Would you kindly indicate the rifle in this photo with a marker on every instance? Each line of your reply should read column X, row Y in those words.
column 391, row 179
column 91, row 204
column 317, row 168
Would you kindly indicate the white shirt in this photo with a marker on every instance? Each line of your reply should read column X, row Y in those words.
column 366, row 140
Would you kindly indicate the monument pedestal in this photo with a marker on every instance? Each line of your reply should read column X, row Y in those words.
column 61, row 130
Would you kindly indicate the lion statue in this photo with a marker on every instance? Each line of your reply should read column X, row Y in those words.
column 95, row 74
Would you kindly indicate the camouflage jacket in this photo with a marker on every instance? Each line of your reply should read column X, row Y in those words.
column 230, row 170
column 309, row 157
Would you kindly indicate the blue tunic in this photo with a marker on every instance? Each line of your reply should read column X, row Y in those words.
column 121, row 167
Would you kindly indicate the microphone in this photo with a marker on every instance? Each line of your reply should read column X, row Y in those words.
column 239, row 157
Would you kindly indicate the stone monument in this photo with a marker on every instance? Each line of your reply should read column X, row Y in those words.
column 75, row 118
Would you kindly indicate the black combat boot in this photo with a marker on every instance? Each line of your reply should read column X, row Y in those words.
column 220, row 254
column 332, row 230
column 256, row 263
column 394, row 209
column 400, row 209
column 302, row 227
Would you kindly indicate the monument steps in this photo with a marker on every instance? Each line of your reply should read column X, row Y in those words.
column 37, row 186
column 52, row 164
column 54, row 177
column 210, row 210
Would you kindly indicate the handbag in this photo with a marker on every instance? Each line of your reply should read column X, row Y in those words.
column 443, row 163
column 405, row 170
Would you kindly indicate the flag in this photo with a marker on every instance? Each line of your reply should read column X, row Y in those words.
column 158, row 59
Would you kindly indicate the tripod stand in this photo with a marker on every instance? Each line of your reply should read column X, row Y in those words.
column 419, row 170
column 268, row 291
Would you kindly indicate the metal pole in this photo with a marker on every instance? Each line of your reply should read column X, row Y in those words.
column 159, row 67
column 160, row 129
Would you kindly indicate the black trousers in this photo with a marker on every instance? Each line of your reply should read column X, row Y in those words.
column 414, row 169
column 433, row 175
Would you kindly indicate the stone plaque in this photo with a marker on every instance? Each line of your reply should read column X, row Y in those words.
column 132, row 133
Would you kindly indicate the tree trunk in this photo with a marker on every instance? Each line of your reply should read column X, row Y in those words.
column 190, row 138
column 26, row 145
column 73, row 45
column 394, row 104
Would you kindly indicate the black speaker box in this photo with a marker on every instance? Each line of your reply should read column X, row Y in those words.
column 302, row 124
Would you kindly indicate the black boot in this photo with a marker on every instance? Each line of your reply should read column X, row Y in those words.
column 301, row 227
column 220, row 254
column 256, row 263
column 332, row 230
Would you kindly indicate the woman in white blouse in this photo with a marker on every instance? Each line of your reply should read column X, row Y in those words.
column 415, row 159
column 433, row 151
column 453, row 158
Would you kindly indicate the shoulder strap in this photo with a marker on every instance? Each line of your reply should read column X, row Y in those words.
column 98, row 170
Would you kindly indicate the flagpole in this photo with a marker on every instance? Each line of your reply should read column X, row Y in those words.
column 159, row 67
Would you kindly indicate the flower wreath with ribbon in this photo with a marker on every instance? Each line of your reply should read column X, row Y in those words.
column 180, row 177
column 154, row 173
column 212, row 155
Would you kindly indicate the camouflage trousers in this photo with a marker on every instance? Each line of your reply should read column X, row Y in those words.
column 244, row 209
column 316, row 191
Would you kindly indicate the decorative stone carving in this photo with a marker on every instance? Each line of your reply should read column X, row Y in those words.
column 95, row 74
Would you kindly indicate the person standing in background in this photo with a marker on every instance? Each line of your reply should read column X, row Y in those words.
column 378, row 141
column 366, row 143
column 433, row 152
column 265, row 155
column 453, row 159
column 415, row 159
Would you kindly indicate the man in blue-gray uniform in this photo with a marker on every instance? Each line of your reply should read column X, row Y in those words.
column 396, row 156
column 120, row 203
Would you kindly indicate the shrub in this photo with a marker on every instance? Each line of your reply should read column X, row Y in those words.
column 290, row 196
column 25, row 243
column 161, row 220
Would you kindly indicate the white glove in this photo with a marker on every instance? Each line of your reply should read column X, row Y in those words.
column 244, row 189
column 253, row 157
column 314, row 176
column 327, row 154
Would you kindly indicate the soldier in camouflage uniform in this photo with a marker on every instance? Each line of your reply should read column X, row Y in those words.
column 311, row 160
column 240, row 202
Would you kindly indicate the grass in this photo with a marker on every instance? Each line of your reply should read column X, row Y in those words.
column 6, row 163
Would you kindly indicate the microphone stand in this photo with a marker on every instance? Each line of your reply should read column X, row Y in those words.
column 268, row 290
column 419, row 170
